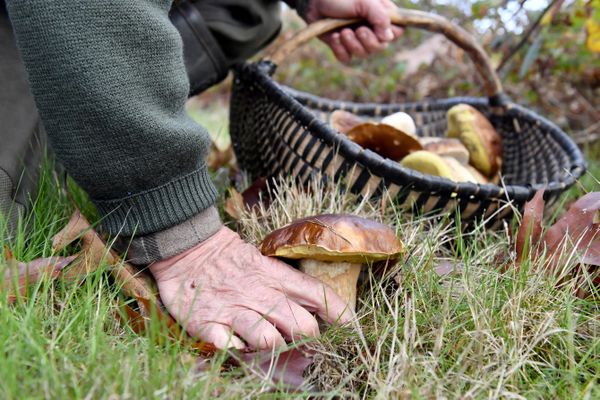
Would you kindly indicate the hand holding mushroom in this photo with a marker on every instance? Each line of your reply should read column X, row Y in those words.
column 333, row 248
column 225, row 292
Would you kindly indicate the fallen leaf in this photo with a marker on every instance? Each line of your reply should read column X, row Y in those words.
column 577, row 230
column 18, row 276
column 234, row 205
column 253, row 196
column 173, row 331
column 530, row 230
column 95, row 251
column 8, row 255
column 285, row 368
column 578, row 227
column 257, row 193
column 133, row 282
column 218, row 158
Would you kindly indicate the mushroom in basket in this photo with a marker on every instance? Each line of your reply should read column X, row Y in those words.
column 333, row 248
column 382, row 138
column 479, row 136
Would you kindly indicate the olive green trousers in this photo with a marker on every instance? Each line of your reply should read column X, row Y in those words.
column 22, row 138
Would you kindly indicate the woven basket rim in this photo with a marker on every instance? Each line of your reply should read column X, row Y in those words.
column 388, row 169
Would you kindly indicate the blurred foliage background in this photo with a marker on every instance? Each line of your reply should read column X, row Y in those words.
column 547, row 54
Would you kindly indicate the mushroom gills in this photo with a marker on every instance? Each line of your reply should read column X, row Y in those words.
column 342, row 277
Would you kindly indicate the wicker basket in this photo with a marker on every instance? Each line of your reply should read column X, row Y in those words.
column 277, row 131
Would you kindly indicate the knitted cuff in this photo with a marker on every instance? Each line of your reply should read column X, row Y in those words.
column 175, row 240
column 159, row 208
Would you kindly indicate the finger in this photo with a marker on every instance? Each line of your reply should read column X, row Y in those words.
column 308, row 292
column 398, row 31
column 326, row 303
column 379, row 19
column 352, row 44
column 290, row 319
column 369, row 41
column 220, row 335
column 257, row 331
column 334, row 41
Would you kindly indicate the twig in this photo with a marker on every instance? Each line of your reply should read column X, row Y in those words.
column 526, row 36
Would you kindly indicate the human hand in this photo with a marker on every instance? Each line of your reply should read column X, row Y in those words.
column 364, row 40
column 223, row 289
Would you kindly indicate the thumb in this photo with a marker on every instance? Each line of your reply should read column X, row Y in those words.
column 379, row 18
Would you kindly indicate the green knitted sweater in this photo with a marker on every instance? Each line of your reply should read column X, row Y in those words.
column 110, row 84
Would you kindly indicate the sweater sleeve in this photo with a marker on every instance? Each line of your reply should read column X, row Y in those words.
column 110, row 85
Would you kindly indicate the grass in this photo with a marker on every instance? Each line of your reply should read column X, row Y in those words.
column 477, row 332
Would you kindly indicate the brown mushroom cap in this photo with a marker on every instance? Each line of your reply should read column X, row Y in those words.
column 335, row 238
column 385, row 140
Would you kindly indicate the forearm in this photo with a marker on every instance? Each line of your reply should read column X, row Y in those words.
column 110, row 85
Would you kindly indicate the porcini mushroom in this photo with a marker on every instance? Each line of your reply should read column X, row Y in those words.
column 385, row 140
column 443, row 166
column 333, row 247
column 427, row 163
column 479, row 137
column 446, row 147
column 401, row 121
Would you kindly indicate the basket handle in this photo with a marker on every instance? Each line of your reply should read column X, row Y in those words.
column 407, row 18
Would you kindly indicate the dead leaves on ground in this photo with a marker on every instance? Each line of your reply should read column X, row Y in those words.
column 20, row 276
column 576, row 232
column 253, row 196
column 286, row 368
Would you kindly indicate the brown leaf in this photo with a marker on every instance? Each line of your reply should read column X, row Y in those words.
column 578, row 228
column 218, row 158
column 19, row 275
column 530, row 230
column 253, row 196
column 286, row 368
column 140, row 323
column 95, row 251
column 257, row 193
column 234, row 204
column 133, row 282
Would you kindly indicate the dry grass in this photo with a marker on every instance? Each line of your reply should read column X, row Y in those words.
column 477, row 332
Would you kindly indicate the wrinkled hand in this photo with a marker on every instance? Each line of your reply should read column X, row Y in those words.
column 223, row 289
column 364, row 40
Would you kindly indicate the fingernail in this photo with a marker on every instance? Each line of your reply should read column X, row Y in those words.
column 388, row 34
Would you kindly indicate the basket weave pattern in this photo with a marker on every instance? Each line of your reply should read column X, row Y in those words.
column 277, row 131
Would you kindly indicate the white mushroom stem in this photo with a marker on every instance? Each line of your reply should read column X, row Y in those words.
column 342, row 277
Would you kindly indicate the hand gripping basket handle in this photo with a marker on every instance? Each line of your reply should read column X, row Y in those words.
column 408, row 18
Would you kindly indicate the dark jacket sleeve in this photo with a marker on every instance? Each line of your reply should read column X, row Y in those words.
column 110, row 85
